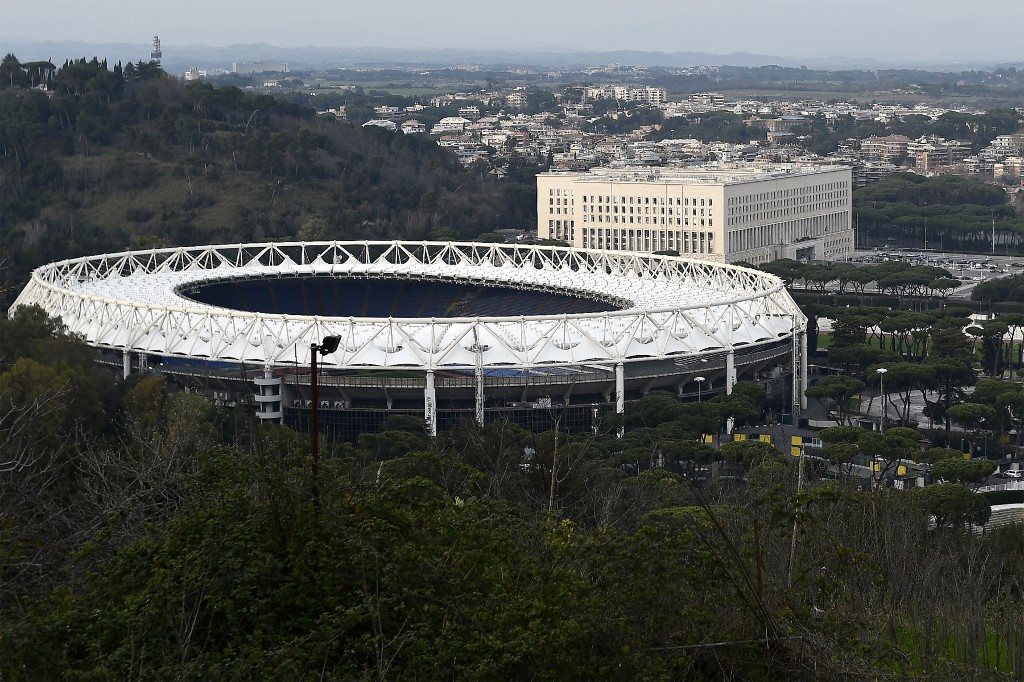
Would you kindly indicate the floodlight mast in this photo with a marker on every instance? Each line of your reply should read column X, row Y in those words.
column 325, row 347
column 881, row 389
column 700, row 381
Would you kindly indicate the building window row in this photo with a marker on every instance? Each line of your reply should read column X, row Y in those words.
column 682, row 241
column 590, row 218
column 646, row 200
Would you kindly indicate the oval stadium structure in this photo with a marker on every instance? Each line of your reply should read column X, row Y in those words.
column 443, row 330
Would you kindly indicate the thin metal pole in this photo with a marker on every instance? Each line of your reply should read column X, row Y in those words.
column 881, row 389
column 314, row 442
column 993, row 232
column 792, row 544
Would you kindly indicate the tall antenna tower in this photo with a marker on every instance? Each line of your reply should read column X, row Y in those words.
column 156, row 54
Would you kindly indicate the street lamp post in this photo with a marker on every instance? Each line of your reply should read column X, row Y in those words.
column 699, row 380
column 993, row 212
column 984, row 436
column 881, row 389
column 325, row 347
column 926, row 226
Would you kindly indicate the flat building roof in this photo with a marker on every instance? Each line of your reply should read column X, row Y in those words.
column 730, row 174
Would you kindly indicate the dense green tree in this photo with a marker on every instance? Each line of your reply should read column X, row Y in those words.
column 953, row 505
column 835, row 393
column 963, row 471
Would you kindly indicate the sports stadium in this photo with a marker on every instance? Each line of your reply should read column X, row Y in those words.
column 528, row 333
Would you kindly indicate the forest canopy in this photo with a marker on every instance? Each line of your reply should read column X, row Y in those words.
column 118, row 157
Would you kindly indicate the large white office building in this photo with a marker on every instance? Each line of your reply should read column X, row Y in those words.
column 722, row 212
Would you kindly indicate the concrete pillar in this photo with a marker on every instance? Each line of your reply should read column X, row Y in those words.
column 126, row 364
column 730, row 381
column 620, row 389
column 803, row 369
column 730, row 371
column 430, row 404
column 620, row 394
column 479, row 384
column 795, row 369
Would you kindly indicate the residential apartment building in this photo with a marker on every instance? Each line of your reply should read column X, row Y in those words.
column 736, row 212
column 778, row 125
column 883, row 149
column 516, row 99
column 1008, row 145
column 1010, row 168
column 707, row 99
column 649, row 95
column 929, row 153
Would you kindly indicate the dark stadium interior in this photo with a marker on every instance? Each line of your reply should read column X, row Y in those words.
column 373, row 297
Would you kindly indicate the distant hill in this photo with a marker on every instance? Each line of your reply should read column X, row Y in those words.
column 126, row 157
column 178, row 58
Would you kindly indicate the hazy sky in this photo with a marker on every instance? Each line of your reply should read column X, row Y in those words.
column 943, row 30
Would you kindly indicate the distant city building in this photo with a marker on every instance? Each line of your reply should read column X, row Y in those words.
column 1010, row 168
column 449, row 124
column 1008, row 145
column 388, row 112
column 883, row 149
column 780, row 136
column 516, row 100
column 413, row 127
column 259, row 67
column 707, row 99
column 737, row 212
column 870, row 172
column 930, row 152
column 777, row 125
column 156, row 54
column 648, row 95
column 381, row 123
column 194, row 74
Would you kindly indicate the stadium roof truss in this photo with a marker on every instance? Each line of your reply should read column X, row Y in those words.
column 666, row 306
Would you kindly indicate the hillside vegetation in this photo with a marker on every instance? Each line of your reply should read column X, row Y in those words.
column 147, row 534
column 127, row 157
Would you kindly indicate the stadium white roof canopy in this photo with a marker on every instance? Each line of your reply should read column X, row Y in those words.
column 668, row 306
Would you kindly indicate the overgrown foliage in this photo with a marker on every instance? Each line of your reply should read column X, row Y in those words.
column 174, row 541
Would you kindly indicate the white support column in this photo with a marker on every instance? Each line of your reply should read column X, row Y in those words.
column 730, row 371
column 620, row 389
column 797, row 383
column 126, row 364
column 803, row 369
column 430, row 404
column 730, row 381
column 620, row 394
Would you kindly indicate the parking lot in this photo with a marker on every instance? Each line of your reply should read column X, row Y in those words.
column 971, row 269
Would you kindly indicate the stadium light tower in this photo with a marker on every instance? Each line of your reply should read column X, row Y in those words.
column 325, row 347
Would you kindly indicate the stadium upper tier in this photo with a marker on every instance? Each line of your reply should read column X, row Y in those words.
column 577, row 306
